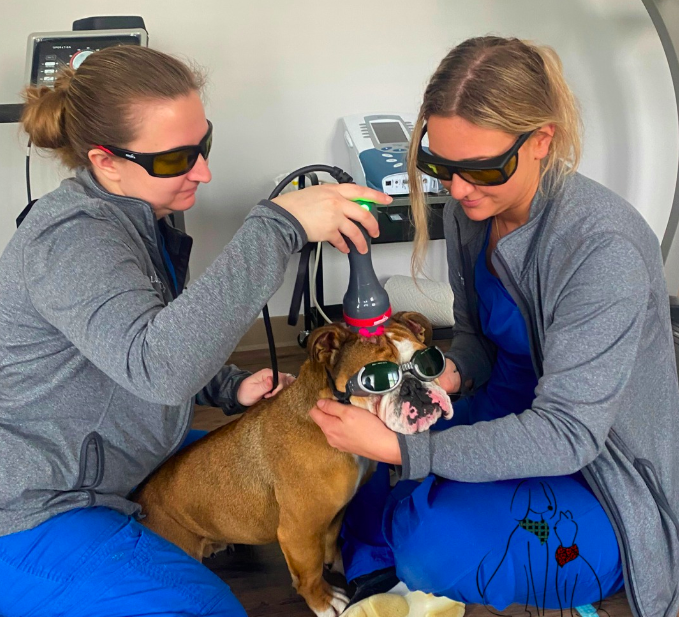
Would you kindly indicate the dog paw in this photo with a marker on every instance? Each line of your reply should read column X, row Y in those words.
column 338, row 601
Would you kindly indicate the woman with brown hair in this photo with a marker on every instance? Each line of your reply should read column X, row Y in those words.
column 102, row 350
column 557, row 480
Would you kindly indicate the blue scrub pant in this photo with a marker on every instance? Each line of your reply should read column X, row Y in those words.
column 543, row 542
column 96, row 561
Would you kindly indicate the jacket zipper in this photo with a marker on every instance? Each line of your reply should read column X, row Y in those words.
column 522, row 303
column 164, row 279
column 468, row 280
column 612, row 511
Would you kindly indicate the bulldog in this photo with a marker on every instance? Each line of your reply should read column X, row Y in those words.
column 271, row 475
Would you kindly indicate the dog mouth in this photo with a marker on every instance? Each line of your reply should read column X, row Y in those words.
column 414, row 408
column 420, row 418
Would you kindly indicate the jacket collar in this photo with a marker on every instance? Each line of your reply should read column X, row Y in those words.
column 141, row 215
column 138, row 211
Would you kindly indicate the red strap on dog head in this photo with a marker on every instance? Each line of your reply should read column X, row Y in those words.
column 362, row 324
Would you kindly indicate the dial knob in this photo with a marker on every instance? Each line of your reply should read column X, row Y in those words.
column 78, row 57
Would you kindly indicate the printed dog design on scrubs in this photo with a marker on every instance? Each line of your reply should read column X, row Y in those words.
column 551, row 550
column 566, row 555
column 533, row 506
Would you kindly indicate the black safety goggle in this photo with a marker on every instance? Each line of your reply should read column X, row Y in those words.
column 170, row 163
column 383, row 376
column 486, row 172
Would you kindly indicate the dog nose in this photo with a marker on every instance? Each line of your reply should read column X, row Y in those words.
column 413, row 389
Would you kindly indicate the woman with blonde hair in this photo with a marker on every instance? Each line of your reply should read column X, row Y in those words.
column 556, row 483
column 103, row 352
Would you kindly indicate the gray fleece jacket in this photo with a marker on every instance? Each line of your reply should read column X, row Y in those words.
column 587, row 275
column 100, row 360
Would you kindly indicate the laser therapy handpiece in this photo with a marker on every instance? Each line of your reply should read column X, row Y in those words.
column 366, row 304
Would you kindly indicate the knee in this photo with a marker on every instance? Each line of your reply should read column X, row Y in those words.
column 426, row 568
column 437, row 538
column 428, row 552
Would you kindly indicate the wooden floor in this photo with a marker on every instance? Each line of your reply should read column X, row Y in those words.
column 259, row 576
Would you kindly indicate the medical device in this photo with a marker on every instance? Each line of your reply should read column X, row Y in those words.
column 48, row 52
column 366, row 304
column 378, row 145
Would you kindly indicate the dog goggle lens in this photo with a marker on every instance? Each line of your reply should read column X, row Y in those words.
column 380, row 377
column 487, row 172
column 168, row 164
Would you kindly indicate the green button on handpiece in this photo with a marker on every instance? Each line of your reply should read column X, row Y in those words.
column 365, row 204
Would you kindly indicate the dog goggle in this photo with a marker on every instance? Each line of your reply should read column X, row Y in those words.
column 381, row 377
column 485, row 172
column 170, row 163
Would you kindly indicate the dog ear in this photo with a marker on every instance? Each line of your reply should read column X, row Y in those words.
column 324, row 343
column 417, row 323
column 520, row 505
column 551, row 498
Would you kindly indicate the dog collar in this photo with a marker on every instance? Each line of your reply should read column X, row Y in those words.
column 342, row 397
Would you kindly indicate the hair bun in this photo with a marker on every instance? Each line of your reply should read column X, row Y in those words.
column 44, row 112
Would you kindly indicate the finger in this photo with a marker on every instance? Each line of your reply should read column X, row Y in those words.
column 364, row 217
column 332, row 408
column 279, row 387
column 339, row 243
column 319, row 417
column 354, row 234
column 354, row 191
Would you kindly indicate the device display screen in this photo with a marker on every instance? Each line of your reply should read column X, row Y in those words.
column 389, row 132
column 50, row 55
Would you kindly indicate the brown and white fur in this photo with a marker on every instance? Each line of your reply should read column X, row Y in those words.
column 271, row 475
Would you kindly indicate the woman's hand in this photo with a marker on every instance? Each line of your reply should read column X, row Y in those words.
column 326, row 213
column 450, row 379
column 355, row 430
column 256, row 387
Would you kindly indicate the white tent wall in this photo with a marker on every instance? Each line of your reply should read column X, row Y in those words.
column 281, row 74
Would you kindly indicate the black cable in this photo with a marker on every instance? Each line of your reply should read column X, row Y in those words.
column 28, row 171
column 272, row 345
column 338, row 174
column 302, row 269
column 342, row 177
